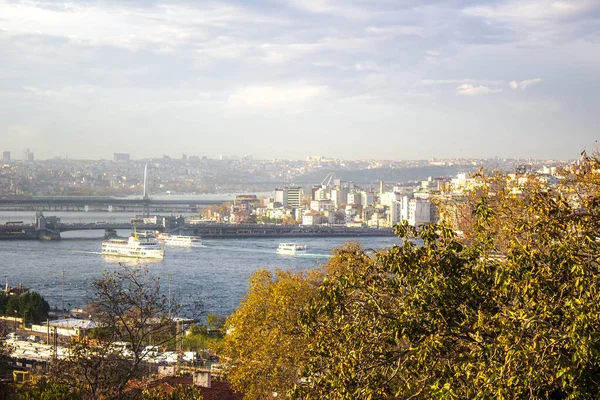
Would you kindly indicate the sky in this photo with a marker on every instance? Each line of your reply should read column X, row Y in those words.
column 379, row 79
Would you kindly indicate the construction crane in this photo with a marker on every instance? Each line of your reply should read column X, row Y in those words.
column 328, row 178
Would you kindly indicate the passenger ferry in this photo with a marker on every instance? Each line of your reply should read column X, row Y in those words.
column 291, row 248
column 138, row 245
column 183, row 241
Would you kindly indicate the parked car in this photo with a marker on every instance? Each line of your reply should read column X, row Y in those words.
column 33, row 338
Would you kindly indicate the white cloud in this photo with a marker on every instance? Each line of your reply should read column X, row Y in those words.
column 164, row 27
column 68, row 93
column 275, row 96
column 523, row 84
column 435, row 82
column 22, row 131
column 469, row 90
column 399, row 30
column 542, row 21
column 333, row 7
column 275, row 53
column 534, row 11
column 366, row 66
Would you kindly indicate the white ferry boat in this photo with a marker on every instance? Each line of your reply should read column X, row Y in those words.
column 183, row 241
column 138, row 245
column 291, row 248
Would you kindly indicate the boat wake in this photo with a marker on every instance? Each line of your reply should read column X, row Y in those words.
column 306, row 255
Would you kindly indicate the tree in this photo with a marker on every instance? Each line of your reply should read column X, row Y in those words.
column 511, row 310
column 128, row 306
column 215, row 321
column 30, row 306
column 263, row 345
column 7, row 390
column 176, row 393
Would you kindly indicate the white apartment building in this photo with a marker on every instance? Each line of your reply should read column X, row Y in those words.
column 419, row 211
column 339, row 196
column 414, row 210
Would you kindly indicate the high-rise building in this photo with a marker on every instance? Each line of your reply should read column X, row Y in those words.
column 30, row 157
column 6, row 156
column 290, row 196
column 295, row 195
column 121, row 157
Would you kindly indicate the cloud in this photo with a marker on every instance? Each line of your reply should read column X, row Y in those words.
column 159, row 27
column 440, row 82
column 21, row 131
column 275, row 96
column 534, row 11
column 469, row 90
column 72, row 93
column 336, row 8
column 399, row 30
column 542, row 21
column 435, row 82
column 523, row 84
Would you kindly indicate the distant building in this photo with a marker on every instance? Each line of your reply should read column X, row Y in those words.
column 6, row 156
column 290, row 196
column 245, row 202
column 419, row 212
column 30, row 157
column 122, row 157
column 294, row 197
column 311, row 219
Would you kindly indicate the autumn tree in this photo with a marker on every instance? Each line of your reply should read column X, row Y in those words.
column 512, row 310
column 128, row 306
column 263, row 345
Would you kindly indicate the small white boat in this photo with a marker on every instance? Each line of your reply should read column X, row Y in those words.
column 183, row 241
column 291, row 248
column 161, row 236
column 138, row 245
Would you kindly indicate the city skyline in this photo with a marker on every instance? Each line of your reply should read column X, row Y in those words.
column 351, row 80
column 29, row 156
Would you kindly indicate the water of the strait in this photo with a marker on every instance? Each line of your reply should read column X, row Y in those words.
column 217, row 273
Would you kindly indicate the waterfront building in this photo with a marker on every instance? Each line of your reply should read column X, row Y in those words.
column 419, row 211
column 245, row 202
column 312, row 218
column 291, row 196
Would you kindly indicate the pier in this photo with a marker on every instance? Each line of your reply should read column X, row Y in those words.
column 50, row 228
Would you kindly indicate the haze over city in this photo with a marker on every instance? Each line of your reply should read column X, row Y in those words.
column 379, row 79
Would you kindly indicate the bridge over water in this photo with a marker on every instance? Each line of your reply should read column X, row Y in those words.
column 104, row 203
column 50, row 228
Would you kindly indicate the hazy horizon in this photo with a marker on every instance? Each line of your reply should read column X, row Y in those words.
column 383, row 79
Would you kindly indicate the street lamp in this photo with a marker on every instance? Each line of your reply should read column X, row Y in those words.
column 63, row 289
column 170, row 278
